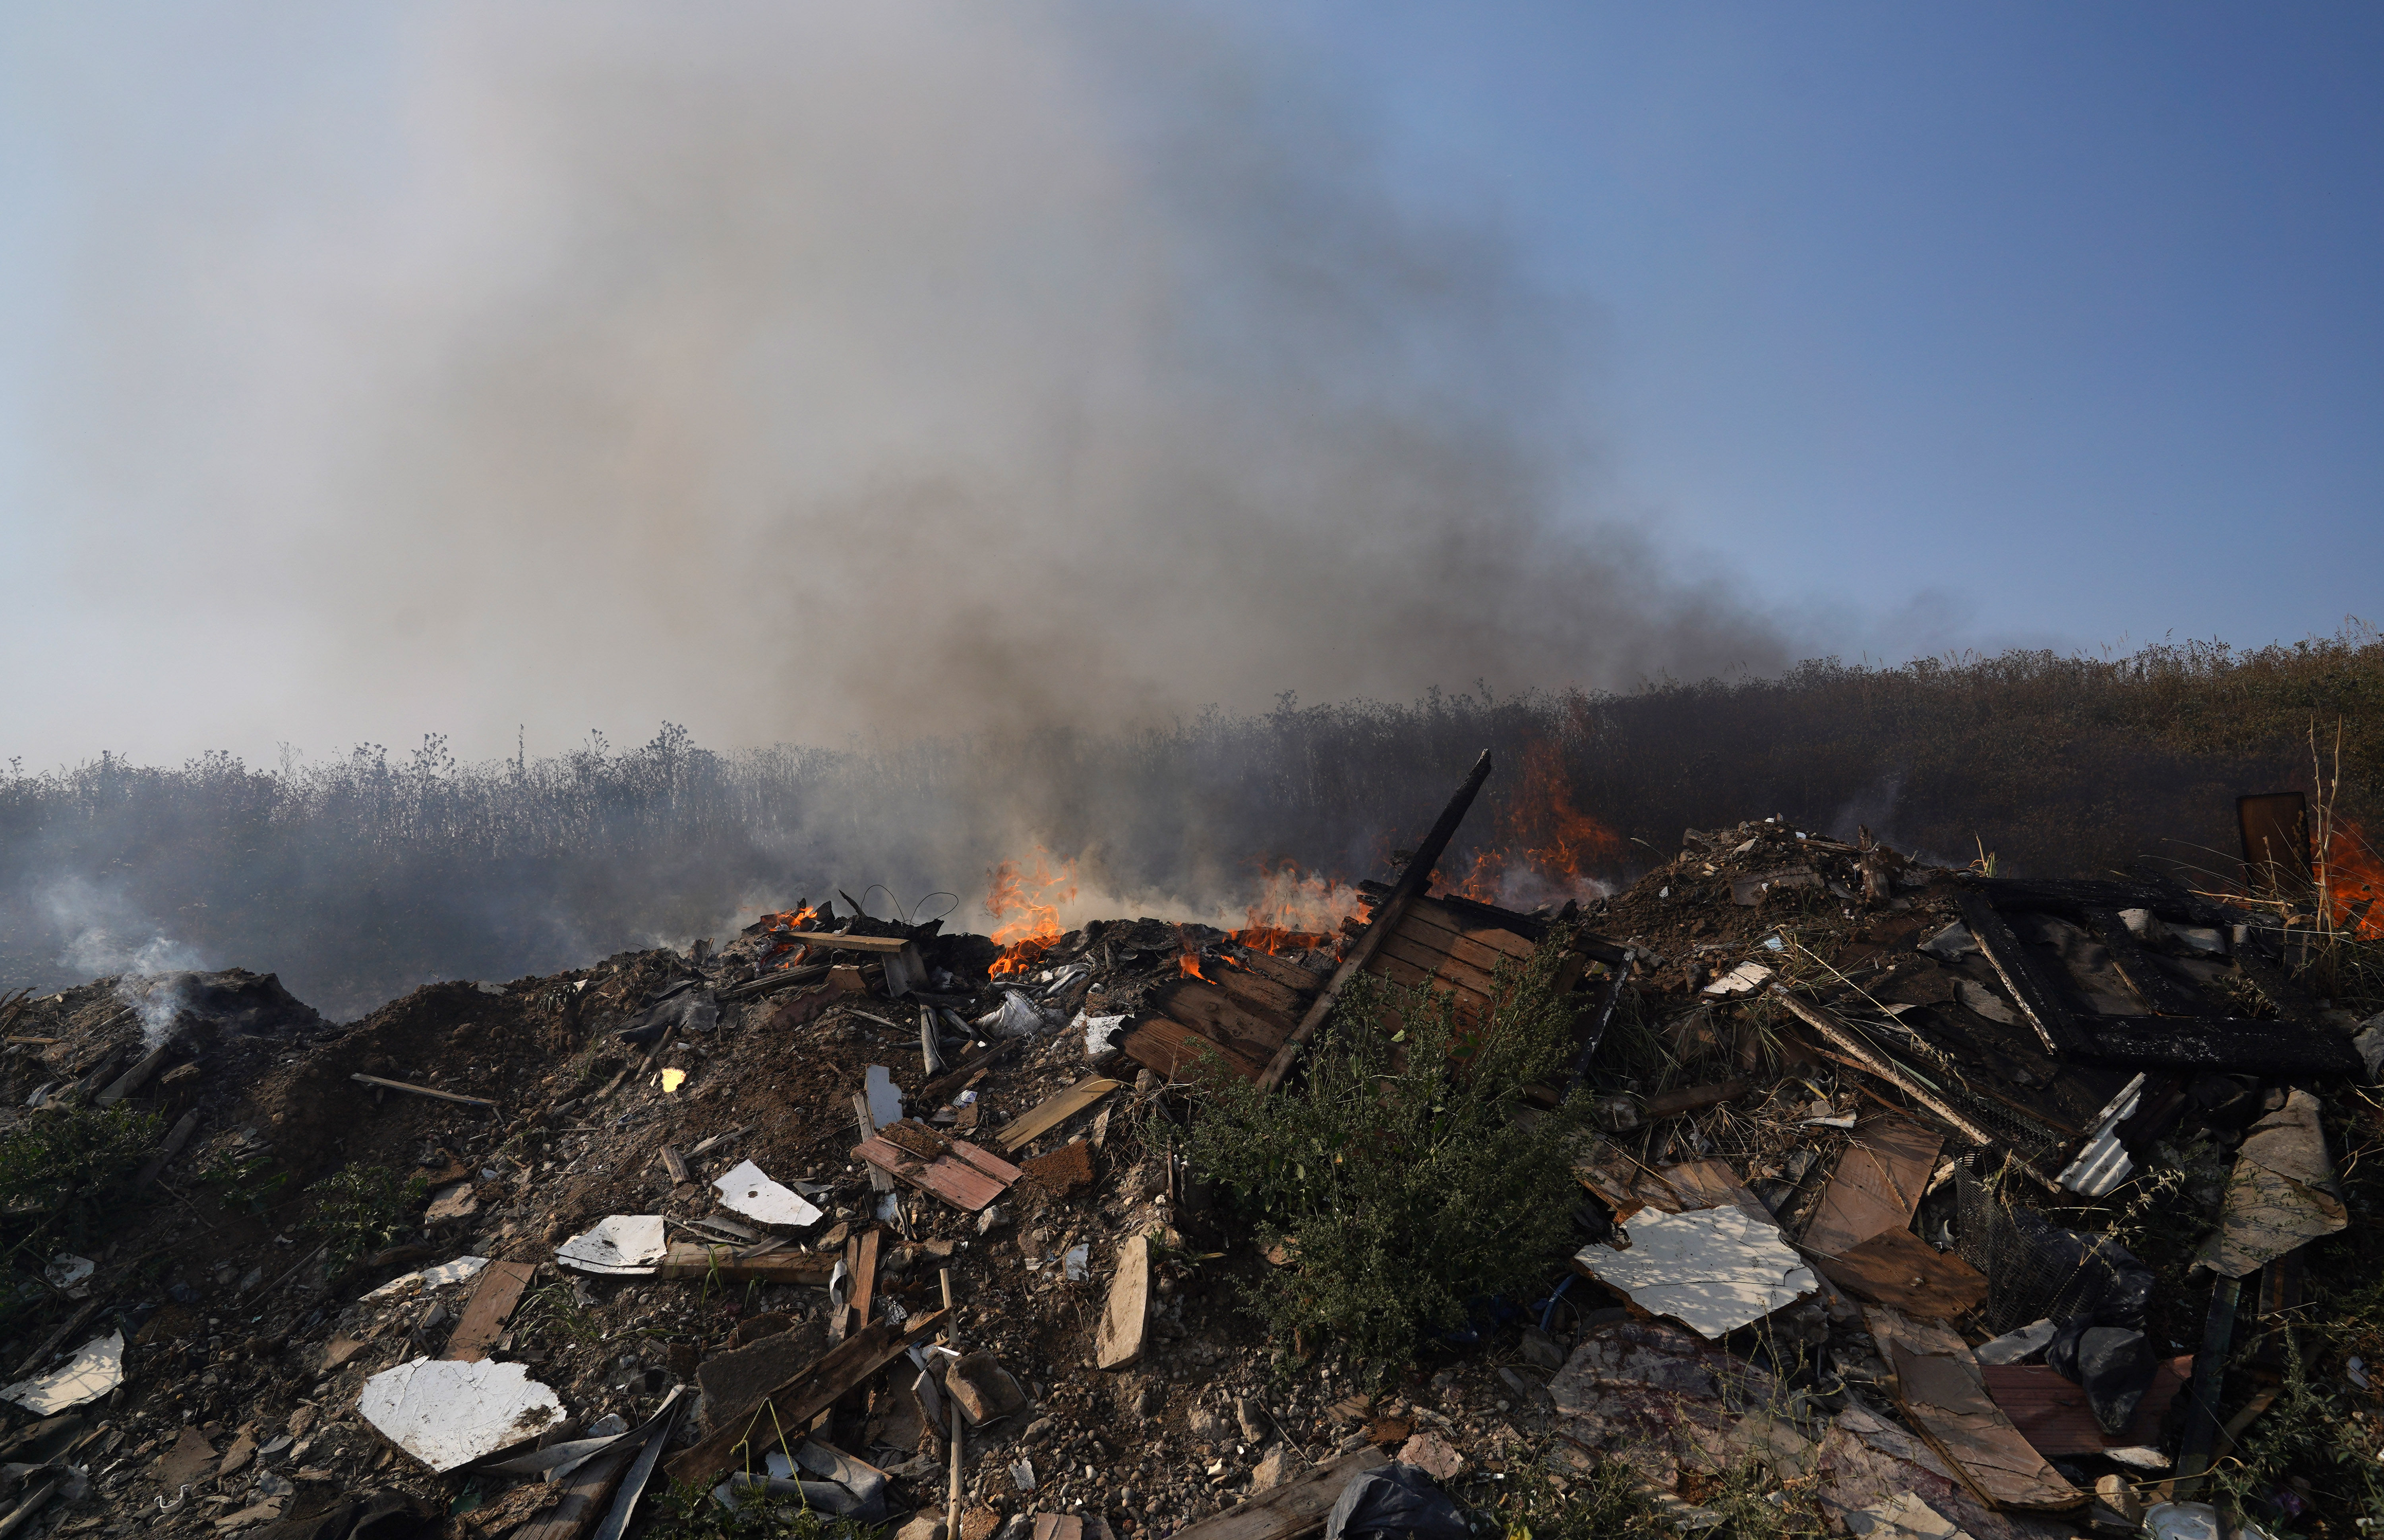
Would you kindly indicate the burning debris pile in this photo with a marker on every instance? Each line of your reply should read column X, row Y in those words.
column 1906, row 1202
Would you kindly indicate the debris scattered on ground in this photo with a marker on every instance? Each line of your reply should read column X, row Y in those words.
column 1890, row 1177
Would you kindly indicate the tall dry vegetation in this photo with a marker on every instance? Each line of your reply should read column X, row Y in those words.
column 358, row 878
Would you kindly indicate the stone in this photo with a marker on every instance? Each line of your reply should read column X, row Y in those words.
column 1541, row 1351
column 1036, row 1430
column 978, row 1524
column 984, row 1388
column 1207, row 1425
column 454, row 1202
column 236, row 1457
column 1432, row 1454
column 925, row 1524
column 1275, row 1467
column 191, row 1458
column 1150, row 1400
column 1252, row 1417
column 734, row 1382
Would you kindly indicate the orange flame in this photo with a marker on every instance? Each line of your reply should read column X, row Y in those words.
column 1190, row 963
column 2355, row 881
column 1294, row 905
column 786, row 947
column 1541, row 846
column 1026, row 909
column 1020, row 956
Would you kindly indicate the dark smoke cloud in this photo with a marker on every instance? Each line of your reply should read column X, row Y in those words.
column 795, row 373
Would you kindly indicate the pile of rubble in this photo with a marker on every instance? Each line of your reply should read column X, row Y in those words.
column 884, row 1221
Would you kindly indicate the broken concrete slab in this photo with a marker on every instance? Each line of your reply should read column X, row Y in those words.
column 429, row 1278
column 616, row 1246
column 1713, row 1269
column 746, row 1189
column 447, row 1413
column 96, row 1369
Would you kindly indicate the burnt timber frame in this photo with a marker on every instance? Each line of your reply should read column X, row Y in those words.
column 2186, row 1030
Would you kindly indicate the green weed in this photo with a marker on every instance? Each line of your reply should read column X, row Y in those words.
column 64, row 1172
column 362, row 1208
column 686, row 1511
column 1396, row 1169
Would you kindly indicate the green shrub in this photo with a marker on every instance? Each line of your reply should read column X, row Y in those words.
column 245, row 1182
column 1396, row 1176
column 63, row 1171
column 362, row 1208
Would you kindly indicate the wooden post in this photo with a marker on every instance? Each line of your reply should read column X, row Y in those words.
column 1411, row 885
column 953, row 1499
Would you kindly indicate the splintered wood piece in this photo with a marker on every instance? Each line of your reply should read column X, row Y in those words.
column 1706, row 1183
column 674, row 1162
column 499, row 1290
column 942, row 1088
column 1059, row 1526
column 1298, row 1505
column 1945, row 1398
column 1898, row 1269
column 1127, row 1316
column 2051, row 1413
column 1878, row 1184
column 1174, row 1051
column 422, row 1090
column 1053, row 1111
column 688, row 1259
column 863, row 1258
column 845, row 1367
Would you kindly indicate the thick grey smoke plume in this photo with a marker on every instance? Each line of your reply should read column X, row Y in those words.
column 799, row 372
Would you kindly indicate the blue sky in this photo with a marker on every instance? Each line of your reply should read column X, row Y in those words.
column 2069, row 310
column 1889, row 328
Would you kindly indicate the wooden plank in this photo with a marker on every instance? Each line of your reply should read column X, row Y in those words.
column 1898, row 1268
column 1172, row 1050
column 1482, row 960
column 1209, row 1010
column 1257, row 993
column 951, row 1180
column 1410, row 887
column 1053, row 1111
column 498, row 1290
column 1124, row 1320
column 846, row 1366
column 1303, row 982
column 690, row 1260
column 987, row 1161
column 823, row 942
column 2163, row 992
column 1471, row 1008
column 1697, row 1185
column 1439, row 964
column 674, row 1162
column 1878, row 1184
column 2051, row 1413
column 1945, row 1399
column 1495, row 941
column 863, row 1257
column 423, row 1090
column 1297, row 1507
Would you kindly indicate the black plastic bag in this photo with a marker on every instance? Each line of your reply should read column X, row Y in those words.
column 1394, row 1502
column 2115, row 1365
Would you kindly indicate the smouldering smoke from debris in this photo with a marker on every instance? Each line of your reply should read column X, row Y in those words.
column 800, row 373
